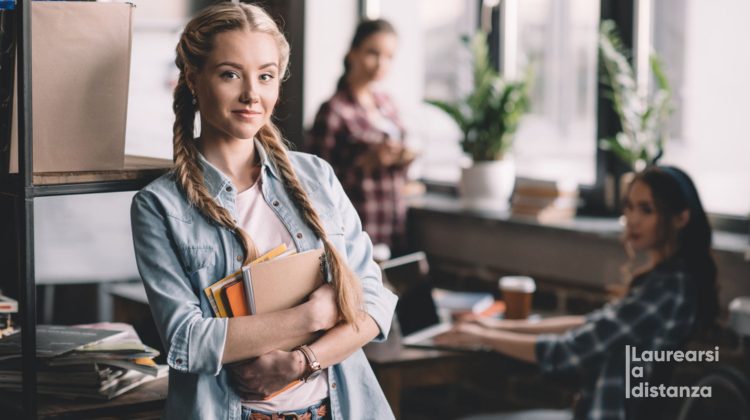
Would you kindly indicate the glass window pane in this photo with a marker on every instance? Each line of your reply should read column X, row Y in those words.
column 558, row 40
column 703, row 46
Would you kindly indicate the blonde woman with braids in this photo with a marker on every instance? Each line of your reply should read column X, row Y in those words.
column 234, row 193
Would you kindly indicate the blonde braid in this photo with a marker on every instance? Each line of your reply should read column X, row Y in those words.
column 344, row 281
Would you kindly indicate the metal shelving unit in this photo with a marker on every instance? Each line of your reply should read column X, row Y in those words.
column 23, row 188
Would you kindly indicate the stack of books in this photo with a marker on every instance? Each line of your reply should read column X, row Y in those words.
column 544, row 201
column 99, row 361
column 230, row 296
column 8, row 307
column 280, row 279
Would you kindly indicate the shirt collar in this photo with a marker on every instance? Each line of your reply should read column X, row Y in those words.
column 216, row 181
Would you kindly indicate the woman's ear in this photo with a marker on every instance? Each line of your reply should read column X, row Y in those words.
column 190, row 79
column 681, row 219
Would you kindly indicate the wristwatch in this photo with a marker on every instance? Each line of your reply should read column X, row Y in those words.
column 313, row 366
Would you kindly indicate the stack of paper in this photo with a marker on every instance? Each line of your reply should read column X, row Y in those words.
column 455, row 301
column 97, row 361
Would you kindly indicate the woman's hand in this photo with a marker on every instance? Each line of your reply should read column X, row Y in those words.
column 264, row 375
column 322, row 309
column 464, row 334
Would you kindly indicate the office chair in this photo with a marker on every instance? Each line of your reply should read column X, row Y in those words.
column 730, row 397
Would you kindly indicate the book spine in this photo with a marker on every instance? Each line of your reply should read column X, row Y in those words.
column 248, row 283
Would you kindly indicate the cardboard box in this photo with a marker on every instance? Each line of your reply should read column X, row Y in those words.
column 80, row 74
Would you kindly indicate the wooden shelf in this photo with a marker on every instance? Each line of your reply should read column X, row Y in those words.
column 144, row 402
column 136, row 167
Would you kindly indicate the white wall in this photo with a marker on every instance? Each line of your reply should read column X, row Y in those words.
column 329, row 26
column 714, row 144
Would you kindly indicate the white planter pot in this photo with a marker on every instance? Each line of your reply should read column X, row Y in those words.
column 488, row 185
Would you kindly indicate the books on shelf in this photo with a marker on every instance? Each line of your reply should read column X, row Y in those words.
column 8, row 305
column 110, row 362
column 544, row 201
column 55, row 340
column 91, row 381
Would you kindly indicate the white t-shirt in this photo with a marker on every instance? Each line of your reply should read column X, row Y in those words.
column 267, row 231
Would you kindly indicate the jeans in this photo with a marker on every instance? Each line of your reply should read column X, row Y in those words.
column 313, row 410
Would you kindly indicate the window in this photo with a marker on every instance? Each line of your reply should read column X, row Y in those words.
column 557, row 38
column 559, row 41
column 703, row 46
column 430, row 62
column 153, row 74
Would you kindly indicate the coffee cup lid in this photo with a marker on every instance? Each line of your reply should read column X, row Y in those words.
column 522, row 284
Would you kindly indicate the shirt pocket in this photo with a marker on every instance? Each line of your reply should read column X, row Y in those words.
column 334, row 227
column 195, row 258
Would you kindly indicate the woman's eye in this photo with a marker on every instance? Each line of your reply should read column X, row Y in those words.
column 230, row 75
column 266, row 77
column 647, row 209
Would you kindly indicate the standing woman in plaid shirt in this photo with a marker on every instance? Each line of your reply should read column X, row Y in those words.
column 359, row 133
column 669, row 298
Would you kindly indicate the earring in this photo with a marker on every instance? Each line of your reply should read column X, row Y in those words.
column 195, row 100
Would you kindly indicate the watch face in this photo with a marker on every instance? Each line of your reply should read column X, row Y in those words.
column 313, row 375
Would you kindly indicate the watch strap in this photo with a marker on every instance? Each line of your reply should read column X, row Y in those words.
column 313, row 366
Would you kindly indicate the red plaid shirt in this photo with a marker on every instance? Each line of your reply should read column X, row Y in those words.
column 341, row 134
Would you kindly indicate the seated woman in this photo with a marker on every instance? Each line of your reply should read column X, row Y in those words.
column 668, row 299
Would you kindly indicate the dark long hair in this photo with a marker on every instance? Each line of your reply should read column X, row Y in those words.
column 365, row 29
column 674, row 192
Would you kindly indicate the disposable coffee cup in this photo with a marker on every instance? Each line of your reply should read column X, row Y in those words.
column 517, row 292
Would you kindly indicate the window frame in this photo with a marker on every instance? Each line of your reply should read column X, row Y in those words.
column 608, row 167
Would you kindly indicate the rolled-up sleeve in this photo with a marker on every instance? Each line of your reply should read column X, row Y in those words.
column 642, row 318
column 195, row 344
column 379, row 302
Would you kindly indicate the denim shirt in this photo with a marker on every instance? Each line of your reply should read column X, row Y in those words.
column 179, row 253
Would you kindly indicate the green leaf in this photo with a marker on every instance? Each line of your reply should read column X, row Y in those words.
column 491, row 113
column 643, row 118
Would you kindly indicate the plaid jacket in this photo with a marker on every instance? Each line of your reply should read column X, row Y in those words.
column 658, row 313
column 341, row 134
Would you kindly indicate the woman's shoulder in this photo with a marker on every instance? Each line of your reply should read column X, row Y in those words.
column 163, row 192
column 672, row 274
column 341, row 104
column 307, row 165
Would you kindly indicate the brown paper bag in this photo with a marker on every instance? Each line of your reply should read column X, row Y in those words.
column 80, row 73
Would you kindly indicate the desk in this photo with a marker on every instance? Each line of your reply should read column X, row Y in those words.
column 398, row 368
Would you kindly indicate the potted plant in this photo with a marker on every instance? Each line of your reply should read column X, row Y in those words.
column 643, row 116
column 488, row 119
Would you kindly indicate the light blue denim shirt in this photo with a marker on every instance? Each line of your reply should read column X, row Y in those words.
column 179, row 253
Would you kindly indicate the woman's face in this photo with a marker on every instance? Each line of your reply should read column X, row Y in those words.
column 371, row 60
column 238, row 86
column 641, row 218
